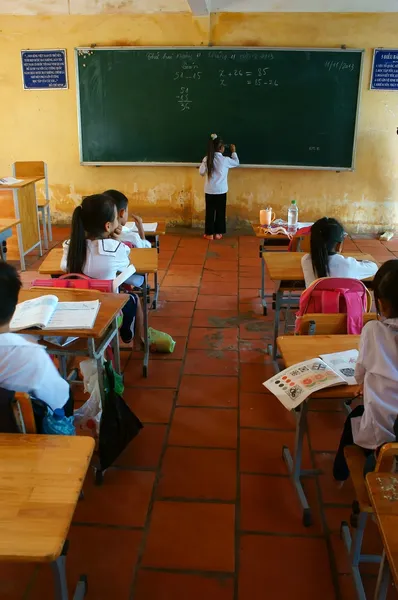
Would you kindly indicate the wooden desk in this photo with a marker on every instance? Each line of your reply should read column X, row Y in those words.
column 145, row 260
column 383, row 494
column 41, row 477
column 268, row 243
column 286, row 266
column 6, row 226
column 295, row 349
column 25, row 209
column 285, row 269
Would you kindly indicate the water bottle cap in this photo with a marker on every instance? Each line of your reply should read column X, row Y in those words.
column 59, row 413
column 293, row 202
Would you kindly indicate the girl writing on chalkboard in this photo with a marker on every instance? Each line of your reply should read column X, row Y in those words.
column 216, row 166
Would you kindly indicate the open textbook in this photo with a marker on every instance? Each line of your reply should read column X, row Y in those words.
column 293, row 385
column 46, row 312
column 148, row 227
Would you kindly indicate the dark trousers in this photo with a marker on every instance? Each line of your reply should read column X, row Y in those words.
column 340, row 467
column 215, row 213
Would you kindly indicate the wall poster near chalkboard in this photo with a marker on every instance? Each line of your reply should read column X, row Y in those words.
column 44, row 69
column 385, row 70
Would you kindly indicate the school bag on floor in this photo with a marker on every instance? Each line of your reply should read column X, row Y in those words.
column 336, row 295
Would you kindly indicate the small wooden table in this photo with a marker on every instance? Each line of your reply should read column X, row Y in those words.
column 296, row 349
column 145, row 261
column 25, row 209
column 285, row 270
column 93, row 342
column 41, row 477
column 383, row 495
column 6, row 226
column 268, row 242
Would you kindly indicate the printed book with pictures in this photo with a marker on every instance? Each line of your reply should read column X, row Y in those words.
column 295, row 384
column 46, row 312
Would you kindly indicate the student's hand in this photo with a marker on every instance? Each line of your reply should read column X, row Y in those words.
column 232, row 147
column 117, row 233
column 137, row 219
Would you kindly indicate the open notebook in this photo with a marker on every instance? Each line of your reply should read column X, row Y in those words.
column 295, row 384
column 148, row 227
column 46, row 312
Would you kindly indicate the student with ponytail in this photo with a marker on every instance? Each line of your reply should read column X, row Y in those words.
column 92, row 251
column 216, row 166
column 327, row 236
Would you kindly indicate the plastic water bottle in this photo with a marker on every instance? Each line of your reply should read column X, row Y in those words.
column 292, row 216
column 55, row 423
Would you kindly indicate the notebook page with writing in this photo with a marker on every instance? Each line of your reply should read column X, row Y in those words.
column 74, row 315
column 34, row 313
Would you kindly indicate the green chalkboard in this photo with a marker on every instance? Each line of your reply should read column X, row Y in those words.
column 281, row 107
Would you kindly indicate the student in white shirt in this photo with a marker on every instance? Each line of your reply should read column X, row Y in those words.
column 92, row 251
column 26, row 366
column 127, row 234
column 216, row 166
column 327, row 236
column 371, row 425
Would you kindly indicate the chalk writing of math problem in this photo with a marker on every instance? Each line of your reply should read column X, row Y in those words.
column 183, row 99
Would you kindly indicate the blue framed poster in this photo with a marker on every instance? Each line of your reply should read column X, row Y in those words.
column 385, row 70
column 44, row 69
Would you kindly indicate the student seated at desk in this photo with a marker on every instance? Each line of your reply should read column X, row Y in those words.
column 372, row 424
column 92, row 251
column 325, row 261
column 124, row 233
column 25, row 366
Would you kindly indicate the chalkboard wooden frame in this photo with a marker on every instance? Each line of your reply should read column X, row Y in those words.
column 215, row 49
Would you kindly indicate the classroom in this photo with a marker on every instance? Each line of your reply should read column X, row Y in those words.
column 199, row 208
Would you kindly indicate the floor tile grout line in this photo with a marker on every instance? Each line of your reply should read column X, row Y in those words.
column 153, row 498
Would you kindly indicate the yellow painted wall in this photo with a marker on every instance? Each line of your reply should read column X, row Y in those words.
column 43, row 125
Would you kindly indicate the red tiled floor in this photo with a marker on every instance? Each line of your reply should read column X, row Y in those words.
column 215, row 474
column 198, row 390
column 264, row 410
column 263, row 561
column 204, row 427
column 152, row 585
column 153, row 406
column 192, row 536
column 107, row 556
column 123, row 498
column 213, row 339
column 170, row 502
column 211, row 362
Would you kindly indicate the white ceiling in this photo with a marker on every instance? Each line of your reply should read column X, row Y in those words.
column 54, row 7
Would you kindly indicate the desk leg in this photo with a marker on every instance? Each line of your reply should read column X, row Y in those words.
column 116, row 348
column 383, row 580
column 60, row 581
column 262, row 291
column 278, row 304
column 156, row 285
column 294, row 465
column 146, row 341
column 20, row 245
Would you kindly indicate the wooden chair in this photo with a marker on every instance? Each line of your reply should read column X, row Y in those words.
column 38, row 169
column 362, row 508
column 324, row 324
column 16, row 413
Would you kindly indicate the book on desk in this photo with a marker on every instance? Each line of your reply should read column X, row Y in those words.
column 295, row 384
column 46, row 312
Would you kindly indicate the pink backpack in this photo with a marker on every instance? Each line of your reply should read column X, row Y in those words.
column 336, row 295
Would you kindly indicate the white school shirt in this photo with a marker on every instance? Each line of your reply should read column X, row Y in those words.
column 218, row 182
column 128, row 235
column 105, row 259
column 340, row 266
column 26, row 367
column 377, row 370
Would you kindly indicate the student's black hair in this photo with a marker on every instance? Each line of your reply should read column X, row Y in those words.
column 325, row 235
column 213, row 146
column 88, row 219
column 10, row 284
column 120, row 199
column 385, row 287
